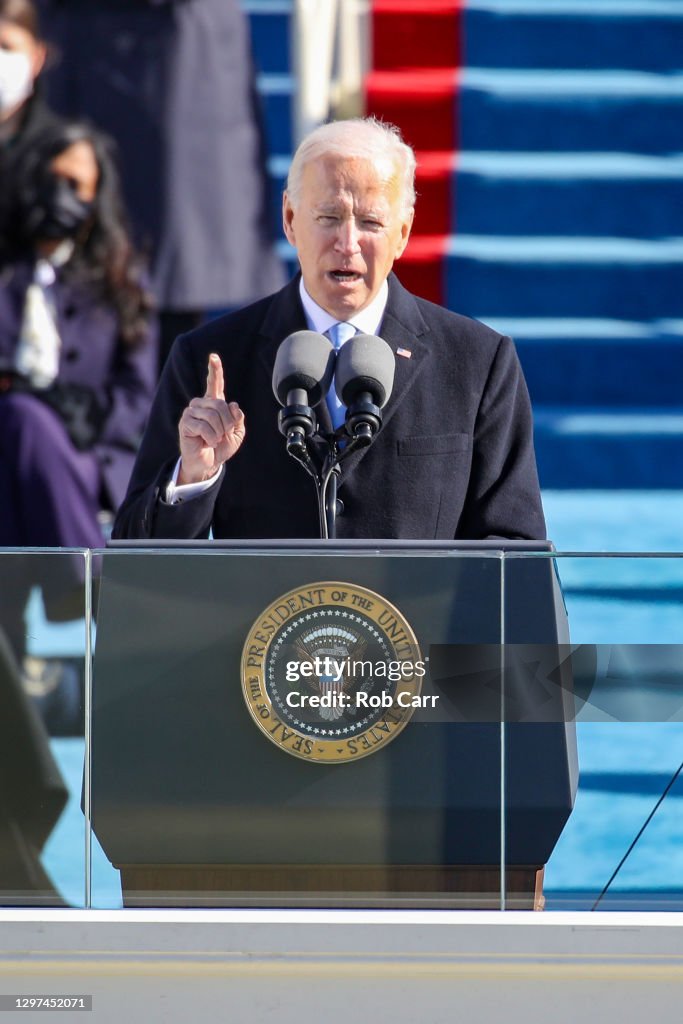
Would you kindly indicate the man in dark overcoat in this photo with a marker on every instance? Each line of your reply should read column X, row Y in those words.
column 454, row 457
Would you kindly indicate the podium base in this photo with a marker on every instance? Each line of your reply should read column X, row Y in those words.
column 457, row 887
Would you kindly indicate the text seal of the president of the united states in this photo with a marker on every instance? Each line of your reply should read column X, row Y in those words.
column 331, row 672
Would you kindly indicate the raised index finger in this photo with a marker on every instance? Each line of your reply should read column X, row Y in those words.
column 215, row 384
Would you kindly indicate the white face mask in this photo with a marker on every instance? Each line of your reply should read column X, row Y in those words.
column 16, row 79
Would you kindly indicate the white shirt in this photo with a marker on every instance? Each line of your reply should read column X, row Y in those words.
column 39, row 345
column 367, row 321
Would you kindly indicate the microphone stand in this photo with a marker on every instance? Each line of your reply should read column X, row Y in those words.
column 298, row 423
column 329, row 499
column 363, row 420
column 328, row 482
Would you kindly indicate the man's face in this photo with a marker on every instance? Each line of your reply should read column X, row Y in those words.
column 348, row 228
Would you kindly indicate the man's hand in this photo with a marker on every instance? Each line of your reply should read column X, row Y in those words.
column 211, row 429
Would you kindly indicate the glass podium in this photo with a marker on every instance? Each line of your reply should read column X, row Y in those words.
column 434, row 726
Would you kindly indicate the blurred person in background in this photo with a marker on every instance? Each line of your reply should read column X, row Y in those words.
column 173, row 82
column 23, row 113
column 78, row 358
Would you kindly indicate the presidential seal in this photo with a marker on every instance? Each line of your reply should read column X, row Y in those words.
column 331, row 672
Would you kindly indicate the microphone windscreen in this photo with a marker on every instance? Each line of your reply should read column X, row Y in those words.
column 365, row 363
column 304, row 360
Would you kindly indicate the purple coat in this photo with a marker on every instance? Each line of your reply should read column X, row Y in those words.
column 92, row 355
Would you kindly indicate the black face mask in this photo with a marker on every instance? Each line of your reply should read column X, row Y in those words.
column 57, row 211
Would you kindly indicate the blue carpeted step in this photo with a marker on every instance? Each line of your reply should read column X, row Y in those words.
column 600, row 363
column 593, row 449
column 278, row 166
column 564, row 277
column 598, row 520
column 578, row 194
column 269, row 22
column 618, row 373
column 570, row 111
column 625, row 768
column 276, row 92
column 645, row 36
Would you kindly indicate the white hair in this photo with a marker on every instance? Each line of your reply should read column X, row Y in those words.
column 364, row 137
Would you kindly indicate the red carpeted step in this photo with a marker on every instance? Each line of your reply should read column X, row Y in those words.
column 421, row 103
column 421, row 267
column 414, row 84
column 435, row 202
column 416, row 33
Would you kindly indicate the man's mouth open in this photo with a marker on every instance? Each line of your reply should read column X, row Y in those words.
column 345, row 276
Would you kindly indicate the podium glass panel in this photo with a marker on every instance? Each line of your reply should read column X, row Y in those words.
column 42, row 727
column 280, row 726
column 618, row 674
column 400, row 810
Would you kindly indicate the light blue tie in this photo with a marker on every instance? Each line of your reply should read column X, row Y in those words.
column 338, row 335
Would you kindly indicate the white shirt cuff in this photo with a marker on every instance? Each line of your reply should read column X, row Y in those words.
column 177, row 493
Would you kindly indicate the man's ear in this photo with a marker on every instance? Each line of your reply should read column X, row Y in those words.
column 288, row 220
column 405, row 232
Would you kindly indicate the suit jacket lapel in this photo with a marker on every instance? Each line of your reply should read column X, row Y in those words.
column 285, row 315
column 404, row 329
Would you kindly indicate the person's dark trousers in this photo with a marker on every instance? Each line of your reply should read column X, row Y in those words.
column 50, row 498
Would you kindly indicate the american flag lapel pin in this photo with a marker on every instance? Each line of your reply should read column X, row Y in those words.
column 405, row 352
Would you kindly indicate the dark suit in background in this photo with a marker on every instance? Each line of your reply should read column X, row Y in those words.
column 454, row 457
column 172, row 81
